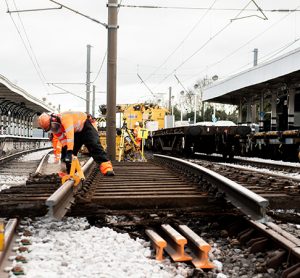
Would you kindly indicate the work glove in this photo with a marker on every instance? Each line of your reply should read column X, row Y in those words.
column 63, row 153
column 68, row 158
column 68, row 161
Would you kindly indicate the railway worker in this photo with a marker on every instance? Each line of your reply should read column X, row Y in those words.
column 136, row 134
column 93, row 121
column 56, row 146
column 74, row 129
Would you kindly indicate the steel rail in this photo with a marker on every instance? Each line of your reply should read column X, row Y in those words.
column 38, row 169
column 10, row 232
column 245, row 200
column 255, row 162
column 12, row 156
column 60, row 202
column 283, row 238
column 244, row 168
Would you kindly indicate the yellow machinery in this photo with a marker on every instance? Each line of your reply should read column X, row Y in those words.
column 76, row 173
column 2, row 233
column 144, row 113
column 129, row 148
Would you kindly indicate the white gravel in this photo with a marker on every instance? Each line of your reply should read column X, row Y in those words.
column 263, row 171
column 7, row 181
column 278, row 162
column 33, row 156
column 72, row 248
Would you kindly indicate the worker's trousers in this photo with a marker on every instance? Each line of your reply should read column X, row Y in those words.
column 90, row 138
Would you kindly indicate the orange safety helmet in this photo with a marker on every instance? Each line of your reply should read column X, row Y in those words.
column 44, row 121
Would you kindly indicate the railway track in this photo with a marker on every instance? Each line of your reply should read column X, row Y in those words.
column 272, row 165
column 166, row 184
column 282, row 191
column 15, row 169
column 153, row 185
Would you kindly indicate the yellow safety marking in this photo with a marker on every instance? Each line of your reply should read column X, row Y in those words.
column 101, row 120
column 2, row 238
column 76, row 173
column 143, row 133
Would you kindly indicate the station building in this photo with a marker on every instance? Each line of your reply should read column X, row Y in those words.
column 18, row 112
column 268, row 93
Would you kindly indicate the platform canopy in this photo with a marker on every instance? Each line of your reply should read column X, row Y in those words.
column 13, row 97
column 276, row 74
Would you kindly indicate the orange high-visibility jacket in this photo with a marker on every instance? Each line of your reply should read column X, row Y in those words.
column 71, row 122
column 56, row 145
column 136, row 135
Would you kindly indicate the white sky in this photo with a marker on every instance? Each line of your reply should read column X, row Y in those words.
column 146, row 39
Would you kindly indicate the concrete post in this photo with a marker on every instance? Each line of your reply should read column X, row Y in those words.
column 249, row 114
column 261, row 113
column 111, row 78
column 273, row 112
column 291, row 109
column 88, row 82
column 94, row 100
column 240, row 112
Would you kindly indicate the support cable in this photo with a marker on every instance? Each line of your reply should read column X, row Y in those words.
column 28, row 41
column 180, row 83
column 77, row 12
column 203, row 45
column 242, row 46
column 184, row 39
column 204, row 8
column 26, row 48
column 267, row 57
column 146, row 85
column 65, row 92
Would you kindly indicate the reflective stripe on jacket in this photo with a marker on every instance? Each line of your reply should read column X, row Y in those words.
column 71, row 122
column 56, row 145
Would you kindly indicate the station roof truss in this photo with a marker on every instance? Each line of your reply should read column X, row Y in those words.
column 273, row 76
column 17, row 101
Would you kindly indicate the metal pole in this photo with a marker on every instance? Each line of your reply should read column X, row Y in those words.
column 255, row 57
column 195, row 108
column 111, row 78
column 202, row 106
column 261, row 113
column 181, row 113
column 170, row 101
column 94, row 100
column 88, row 82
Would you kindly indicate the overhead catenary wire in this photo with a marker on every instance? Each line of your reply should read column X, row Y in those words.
column 77, row 12
column 99, row 71
column 65, row 92
column 180, row 83
column 204, row 8
column 39, row 73
column 182, row 42
column 203, row 45
column 242, row 46
column 266, row 57
column 146, row 85
column 28, row 41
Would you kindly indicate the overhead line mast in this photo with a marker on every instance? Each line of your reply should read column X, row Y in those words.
column 112, row 28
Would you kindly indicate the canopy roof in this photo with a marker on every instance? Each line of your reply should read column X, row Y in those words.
column 276, row 74
column 13, row 96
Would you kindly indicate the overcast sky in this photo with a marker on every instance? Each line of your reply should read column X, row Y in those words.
column 155, row 43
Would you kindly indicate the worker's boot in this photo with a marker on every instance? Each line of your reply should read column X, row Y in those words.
column 106, row 169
